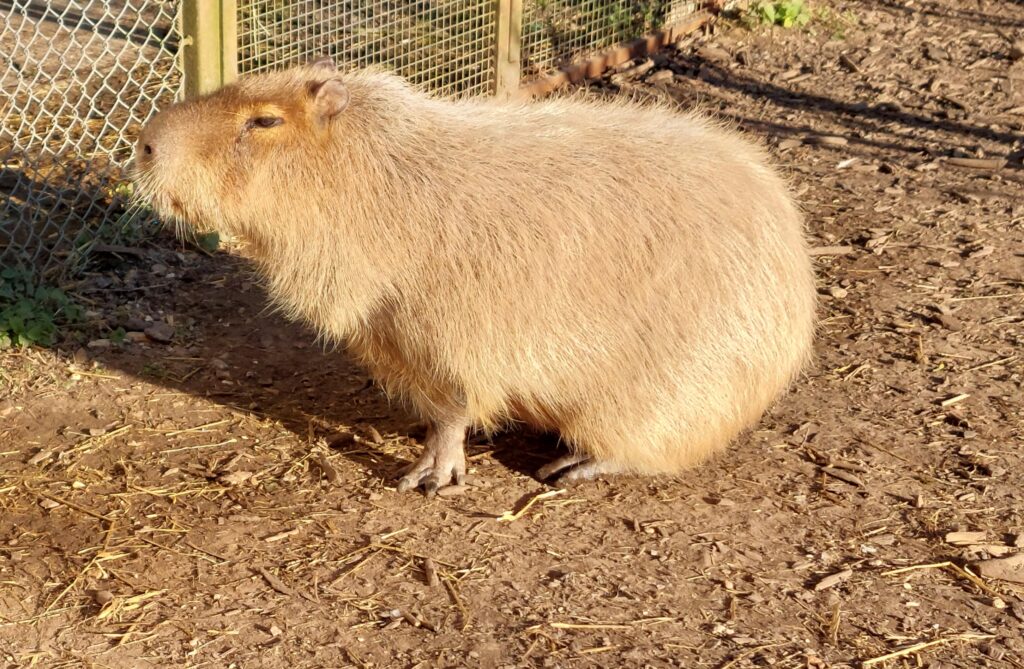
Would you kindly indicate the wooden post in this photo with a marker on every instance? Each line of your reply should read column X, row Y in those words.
column 509, row 33
column 208, row 45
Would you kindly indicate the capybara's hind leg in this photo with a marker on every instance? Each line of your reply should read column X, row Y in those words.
column 577, row 467
column 443, row 459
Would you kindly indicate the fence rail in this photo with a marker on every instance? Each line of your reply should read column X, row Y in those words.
column 78, row 78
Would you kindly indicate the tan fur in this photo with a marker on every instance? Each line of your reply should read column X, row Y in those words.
column 633, row 277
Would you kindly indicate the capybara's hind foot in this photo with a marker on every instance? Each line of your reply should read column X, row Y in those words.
column 577, row 467
column 443, row 459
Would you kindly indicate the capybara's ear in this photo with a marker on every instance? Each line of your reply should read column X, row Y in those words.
column 324, row 63
column 330, row 98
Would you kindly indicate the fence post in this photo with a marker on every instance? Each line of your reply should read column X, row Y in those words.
column 509, row 33
column 208, row 45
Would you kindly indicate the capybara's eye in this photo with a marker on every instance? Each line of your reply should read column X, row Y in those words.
column 264, row 122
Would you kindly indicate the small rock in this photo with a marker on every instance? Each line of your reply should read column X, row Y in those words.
column 102, row 597
column 1018, row 541
column 158, row 269
column 48, row 503
column 1017, row 50
column 790, row 143
column 935, row 52
column 136, row 337
column 97, row 431
column 1005, row 569
column 950, row 322
column 135, row 323
column 161, row 332
column 838, row 292
column 99, row 344
column 275, row 631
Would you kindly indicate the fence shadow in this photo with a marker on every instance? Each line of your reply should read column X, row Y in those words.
column 859, row 119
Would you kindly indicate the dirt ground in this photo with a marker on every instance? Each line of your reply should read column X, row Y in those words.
column 225, row 498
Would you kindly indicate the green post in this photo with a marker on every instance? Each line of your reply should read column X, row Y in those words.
column 208, row 45
column 509, row 31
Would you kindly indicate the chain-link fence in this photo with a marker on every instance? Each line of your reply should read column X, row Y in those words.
column 79, row 78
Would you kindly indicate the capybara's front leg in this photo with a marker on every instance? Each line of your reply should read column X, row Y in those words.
column 443, row 459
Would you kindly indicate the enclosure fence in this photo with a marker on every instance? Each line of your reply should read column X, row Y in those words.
column 79, row 78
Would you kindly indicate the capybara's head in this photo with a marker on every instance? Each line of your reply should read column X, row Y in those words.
column 222, row 160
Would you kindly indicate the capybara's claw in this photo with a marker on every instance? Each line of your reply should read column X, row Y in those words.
column 577, row 468
column 564, row 462
column 441, row 463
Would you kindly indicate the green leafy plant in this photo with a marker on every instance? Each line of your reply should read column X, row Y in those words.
column 30, row 312
column 784, row 13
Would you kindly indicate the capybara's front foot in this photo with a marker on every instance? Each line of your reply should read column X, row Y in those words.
column 575, row 468
column 443, row 459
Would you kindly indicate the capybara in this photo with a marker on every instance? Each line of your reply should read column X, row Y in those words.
column 631, row 276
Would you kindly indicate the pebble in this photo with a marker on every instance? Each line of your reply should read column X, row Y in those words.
column 102, row 597
column 838, row 292
column 99, row 344
column 160, row 331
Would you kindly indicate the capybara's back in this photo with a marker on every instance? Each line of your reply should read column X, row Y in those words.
column 635, row 278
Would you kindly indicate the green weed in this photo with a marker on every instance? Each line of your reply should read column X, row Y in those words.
column 31, row 313
column 783, row 13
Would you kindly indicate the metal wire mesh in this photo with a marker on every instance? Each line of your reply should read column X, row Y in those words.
column 445, row 45
column 78, row 78
column 558, row 32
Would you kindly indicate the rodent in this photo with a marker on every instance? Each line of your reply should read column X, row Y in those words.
column 635, row 278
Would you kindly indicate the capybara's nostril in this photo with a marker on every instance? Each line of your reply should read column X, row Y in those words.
column 147, row 149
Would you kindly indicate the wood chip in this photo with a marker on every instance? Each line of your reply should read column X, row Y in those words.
column 843, row 476
column 977, row 163
column 833, row 580
column 430, row 573
column 831, row 250
column 1005, row 569
column 965, row 538
column 235, row 478
column 826, row 140
column 329, row 471
column 452, row 490
column 275, row 583
column 956, row 399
